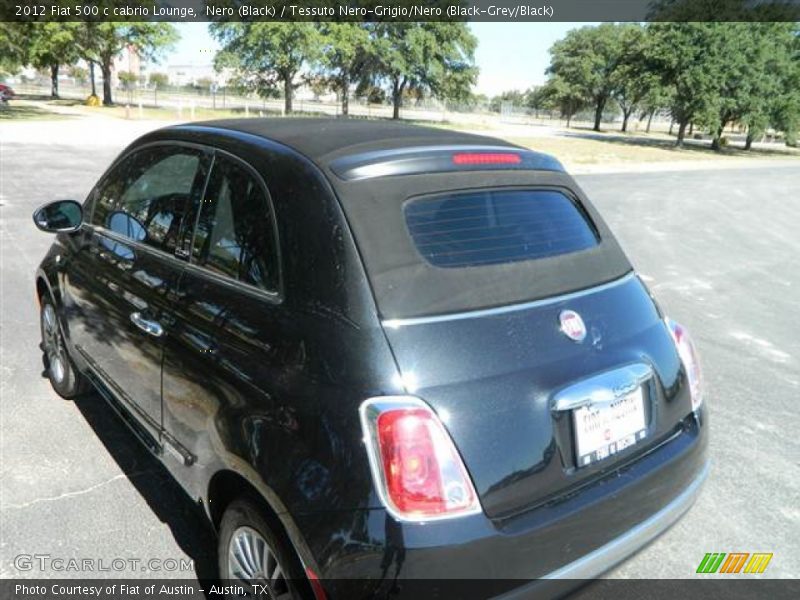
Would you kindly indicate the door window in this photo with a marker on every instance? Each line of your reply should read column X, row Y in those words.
column 147, row 195
column 235, row 234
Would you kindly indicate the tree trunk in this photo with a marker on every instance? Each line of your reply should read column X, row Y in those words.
column 54, row 81
column 681, row 133
column 748, row 143
column 716, row 142
column 106, row 69
column 691, row 129
column 397, row 98
column 288, row 92
column 345, row 95
column 625, row 116
column 91, row 75
column 671, row 123
column 598, row 113
column 649, row 120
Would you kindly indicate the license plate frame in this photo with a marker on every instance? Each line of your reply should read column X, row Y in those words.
column 605, row 429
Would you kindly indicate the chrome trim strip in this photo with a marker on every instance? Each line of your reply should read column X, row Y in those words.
column 500, row 310
column 604, row 387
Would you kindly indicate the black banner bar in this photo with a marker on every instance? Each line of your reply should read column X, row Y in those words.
column 399, row 10
column 709, row 588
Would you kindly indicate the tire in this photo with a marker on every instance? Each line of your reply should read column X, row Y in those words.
column 245, row 528
column 66, row 380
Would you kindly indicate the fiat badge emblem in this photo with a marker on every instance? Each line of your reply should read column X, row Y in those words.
column 572, row 325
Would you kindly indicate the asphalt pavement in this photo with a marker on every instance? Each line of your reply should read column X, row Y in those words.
column 720, row 249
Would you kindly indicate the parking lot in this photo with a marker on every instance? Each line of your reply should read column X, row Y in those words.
column 720, row 248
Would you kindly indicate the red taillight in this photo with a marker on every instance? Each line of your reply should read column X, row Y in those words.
column 690, row 360
column 486, row 158
column 417, row 469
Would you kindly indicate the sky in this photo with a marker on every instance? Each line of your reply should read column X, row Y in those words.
column 509, row 55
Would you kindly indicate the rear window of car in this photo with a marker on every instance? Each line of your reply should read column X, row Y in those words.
column 487, row 227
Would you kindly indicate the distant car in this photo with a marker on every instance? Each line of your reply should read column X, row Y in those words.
column 375, row 351
column 6, row 93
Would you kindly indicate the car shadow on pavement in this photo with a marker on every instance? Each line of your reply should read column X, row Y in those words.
column 164, row 496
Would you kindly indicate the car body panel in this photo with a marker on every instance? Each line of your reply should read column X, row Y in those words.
column 376, row 549
column 270, row 376
column 495, row 377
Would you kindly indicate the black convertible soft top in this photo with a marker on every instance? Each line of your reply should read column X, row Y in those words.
column 324, row 139
column 404, row 283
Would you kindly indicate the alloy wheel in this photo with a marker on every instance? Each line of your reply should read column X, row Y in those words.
column 53, row 344
column 251, row 560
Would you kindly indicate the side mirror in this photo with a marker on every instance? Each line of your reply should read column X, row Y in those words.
column 60, row 216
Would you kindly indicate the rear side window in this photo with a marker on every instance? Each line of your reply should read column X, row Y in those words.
column 490, row 227
column 235, row 234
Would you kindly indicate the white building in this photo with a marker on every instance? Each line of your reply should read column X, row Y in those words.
column 190, row 74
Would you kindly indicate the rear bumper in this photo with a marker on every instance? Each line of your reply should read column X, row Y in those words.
column 543, row 552
column 604, row 558
column 601, row 560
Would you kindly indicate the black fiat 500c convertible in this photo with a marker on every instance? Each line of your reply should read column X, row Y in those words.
column 376, row 353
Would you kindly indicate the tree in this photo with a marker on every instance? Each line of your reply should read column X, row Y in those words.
column 632, row 81
column 373, row 94
column 205, row 83
column 536, row 98
column 689, row 58
column 658, row 97
column 320, row 85
column 128, row 79
column 456, row 82
column 101, row 42
column 564, row 96
column 586, row 61
column 14, row 46
column 721, row 73
column 740, row 83
column 772, row 58
column 52, row 44
column 722, row 11
column 346, row 55
column 785, row 109
column 159, row 81
column 79, row 74
column 396, row 47
column 267, row 56
column 515, row 97
column 428, row 57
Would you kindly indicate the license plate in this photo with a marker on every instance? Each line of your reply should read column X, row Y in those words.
column 603, row 430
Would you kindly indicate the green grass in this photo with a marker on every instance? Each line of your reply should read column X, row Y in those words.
column 580, row 150
column 575, row 146
column 132, row 112
column 14, row 111
column 454, row 126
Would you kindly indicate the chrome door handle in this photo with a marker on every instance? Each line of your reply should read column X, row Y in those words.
column 153, row 328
